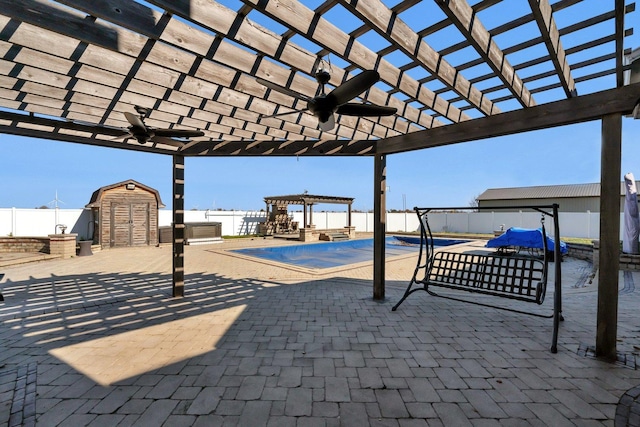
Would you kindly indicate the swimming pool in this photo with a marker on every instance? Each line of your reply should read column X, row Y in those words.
column 335, row 254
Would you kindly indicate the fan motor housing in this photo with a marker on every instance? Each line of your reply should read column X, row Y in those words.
column 323, row 107
column 323, row 77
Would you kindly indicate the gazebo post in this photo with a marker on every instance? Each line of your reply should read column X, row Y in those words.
column 178, row 225
column 304, row 216
column 609, row 256
column 379, row 209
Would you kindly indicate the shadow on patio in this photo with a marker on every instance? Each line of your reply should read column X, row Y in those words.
column 117, row 348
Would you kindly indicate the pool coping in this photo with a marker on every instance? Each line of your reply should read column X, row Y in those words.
column 327, row 270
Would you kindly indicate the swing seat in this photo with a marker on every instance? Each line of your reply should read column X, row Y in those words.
column 517, row 277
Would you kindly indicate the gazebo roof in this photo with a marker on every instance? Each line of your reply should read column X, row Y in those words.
column 307, row 199
column 71, row 69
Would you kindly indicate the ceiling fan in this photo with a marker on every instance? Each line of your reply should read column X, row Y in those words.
column 324, row 106
column 143, row 133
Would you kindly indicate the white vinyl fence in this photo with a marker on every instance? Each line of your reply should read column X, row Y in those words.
column 42, row 222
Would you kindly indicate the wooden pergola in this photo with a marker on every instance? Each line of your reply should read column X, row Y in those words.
column 307, row 201
column 456, row 71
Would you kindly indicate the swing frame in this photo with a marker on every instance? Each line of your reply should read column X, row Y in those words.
column 511, row 276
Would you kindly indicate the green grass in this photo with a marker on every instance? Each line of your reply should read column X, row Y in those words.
column 575, row 240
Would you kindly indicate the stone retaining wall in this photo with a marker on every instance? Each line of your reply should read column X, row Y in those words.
column 54, row 244
column 580, row 251
column 629, row 262
column 24, row 244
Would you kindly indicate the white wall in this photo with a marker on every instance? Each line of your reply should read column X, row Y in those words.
column 42, row 222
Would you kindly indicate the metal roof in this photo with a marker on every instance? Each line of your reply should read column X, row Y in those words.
column 307, row 199
column 70, row 69
column 547, row 192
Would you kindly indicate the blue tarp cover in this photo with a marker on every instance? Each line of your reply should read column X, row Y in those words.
column 525, row 238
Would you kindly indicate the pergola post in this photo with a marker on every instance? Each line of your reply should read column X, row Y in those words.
column 609, row 257
column 178, row 226
column 379, row 228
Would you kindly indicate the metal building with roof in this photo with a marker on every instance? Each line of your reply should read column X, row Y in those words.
column 570, row 198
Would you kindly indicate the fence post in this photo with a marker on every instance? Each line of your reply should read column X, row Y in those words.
column 13, row 221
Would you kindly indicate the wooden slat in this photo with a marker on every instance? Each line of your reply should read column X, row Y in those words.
column 220, row 20
column 52, row 17
column 194, row 41
column 389, row 25
column 146, row 71
column 619, row 31
column 298, row 17
column 462, row 15
column 544, row 18
column 97, row 56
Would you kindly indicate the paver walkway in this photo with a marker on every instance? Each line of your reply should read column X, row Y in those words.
column 99, row 341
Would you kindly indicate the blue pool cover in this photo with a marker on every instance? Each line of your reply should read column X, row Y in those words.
column 335, row 254
column 525, row 238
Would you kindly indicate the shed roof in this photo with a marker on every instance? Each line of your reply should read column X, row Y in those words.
column 72, row 68
column 97, row 195
column 547, row 192
column 307, row 199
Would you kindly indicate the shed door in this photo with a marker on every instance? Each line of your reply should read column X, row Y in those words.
column 129, row 224
column 139, row 224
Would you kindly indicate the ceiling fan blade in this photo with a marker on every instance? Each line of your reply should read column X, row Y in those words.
column 177, row 133
column 284, row 114
column 354, row 86
column 282, row 89
column 136, row 122
column 354, row 109
column 328, row 125
column 125, row 135
column 169, row 141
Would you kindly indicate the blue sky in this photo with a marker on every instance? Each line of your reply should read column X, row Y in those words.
column 33, row 170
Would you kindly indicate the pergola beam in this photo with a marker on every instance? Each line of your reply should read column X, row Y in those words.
column 543, row 14
column 388, row 24
column 574, row 110
column 467, row 22
column 40, row 127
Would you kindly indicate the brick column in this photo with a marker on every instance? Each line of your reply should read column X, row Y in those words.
column 63, row 244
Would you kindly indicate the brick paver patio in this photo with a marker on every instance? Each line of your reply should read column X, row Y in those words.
column 99, row 341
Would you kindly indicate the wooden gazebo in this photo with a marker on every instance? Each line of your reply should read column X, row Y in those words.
column 456, row 71
column 278, row 218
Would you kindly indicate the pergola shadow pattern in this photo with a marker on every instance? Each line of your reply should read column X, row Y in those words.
column 245, row 351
